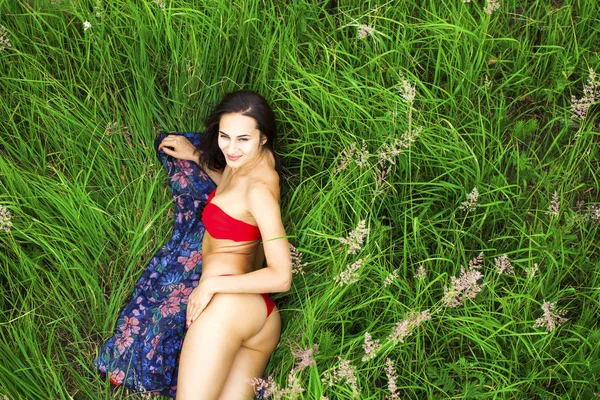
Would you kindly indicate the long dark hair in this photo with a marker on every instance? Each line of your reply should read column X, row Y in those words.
column 245, row 102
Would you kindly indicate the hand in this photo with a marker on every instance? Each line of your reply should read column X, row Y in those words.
column 198, row 300
column 179, row 147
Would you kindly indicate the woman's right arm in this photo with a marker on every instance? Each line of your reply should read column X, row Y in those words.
column 180, row 147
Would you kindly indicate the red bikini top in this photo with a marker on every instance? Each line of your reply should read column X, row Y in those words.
column 221, row 225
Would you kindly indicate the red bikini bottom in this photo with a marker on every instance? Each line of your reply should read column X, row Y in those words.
column 268, row 300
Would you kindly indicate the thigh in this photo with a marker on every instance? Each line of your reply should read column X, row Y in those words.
column 251, row 360
column 213, row 341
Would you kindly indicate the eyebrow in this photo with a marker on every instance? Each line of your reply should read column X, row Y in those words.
column 242, row 135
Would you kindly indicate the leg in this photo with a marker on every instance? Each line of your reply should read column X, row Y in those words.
column 213, row 341
column 251, row 360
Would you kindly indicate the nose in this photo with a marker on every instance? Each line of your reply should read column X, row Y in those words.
column 231, row 149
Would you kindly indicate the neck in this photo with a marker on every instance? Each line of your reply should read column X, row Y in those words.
column 250, row 165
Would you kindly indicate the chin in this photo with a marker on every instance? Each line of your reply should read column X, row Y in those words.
column 236, row 164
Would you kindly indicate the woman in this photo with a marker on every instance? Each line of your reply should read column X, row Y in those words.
column 233, row 326
column 143, row 353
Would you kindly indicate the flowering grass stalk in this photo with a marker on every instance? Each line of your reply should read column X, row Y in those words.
column 491, row 6
column 304, row 356
column 297, row 264
column 391, row 376
column 408, row 93
column 531, row 271
column 390, row 278
column 5, row 220
column 591, row 93
column 503, row 265
column 267, row 387
column 466, row 285
column 387, row 154
column 554, row 207
column 471, row 204
column 370, row 347
column 4, row 40
column 364, row 31
column 350, row 275
column 356, row 238
column 551, row 318
column 421, row 273
column 343, row 373
column 405, row 327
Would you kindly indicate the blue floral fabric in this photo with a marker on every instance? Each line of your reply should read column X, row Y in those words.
column 144, row 352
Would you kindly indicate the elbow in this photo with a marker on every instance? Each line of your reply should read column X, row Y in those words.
column 286, row 282
column 286, row 286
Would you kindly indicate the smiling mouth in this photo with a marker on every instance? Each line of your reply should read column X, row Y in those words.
column 232, row 158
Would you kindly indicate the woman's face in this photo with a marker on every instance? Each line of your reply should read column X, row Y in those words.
column 239, row 140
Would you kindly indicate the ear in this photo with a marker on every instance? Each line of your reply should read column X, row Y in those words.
column 263, row 139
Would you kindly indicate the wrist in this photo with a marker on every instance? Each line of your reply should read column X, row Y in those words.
column 209, row 284
column 196, row 157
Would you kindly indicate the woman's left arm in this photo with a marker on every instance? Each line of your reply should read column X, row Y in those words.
column 277, row 276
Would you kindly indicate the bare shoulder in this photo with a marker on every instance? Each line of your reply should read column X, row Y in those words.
column 262, row 188
column 262, row 199
column 263, row 185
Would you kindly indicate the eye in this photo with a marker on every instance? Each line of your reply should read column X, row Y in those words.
column 223, row 136
column 243, row 140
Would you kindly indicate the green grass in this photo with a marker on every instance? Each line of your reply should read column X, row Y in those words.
column 91, row 205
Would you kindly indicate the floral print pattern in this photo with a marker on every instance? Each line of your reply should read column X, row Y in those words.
column 144, row 352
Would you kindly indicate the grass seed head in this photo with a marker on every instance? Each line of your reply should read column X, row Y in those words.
column 405, row 327
column 297, row 264
column 370, row 347
column 591, row 93
column 356, row 238
column 554, row 207
column 503, row 265
column 551, row 318
column 5, row 222
column 471, row 203
column 391, row 375
column 349, row 275
column 4, row 40
column 491, row 6
column 364, row 31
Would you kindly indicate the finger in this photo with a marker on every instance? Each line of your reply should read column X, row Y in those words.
column 202, row 306
column 168, row 139
column 201, row 310
column 169, row 151
column 190, row 309
column 194, row 316
column 188, row 315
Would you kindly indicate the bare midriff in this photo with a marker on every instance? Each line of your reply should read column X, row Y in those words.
column 224, row 256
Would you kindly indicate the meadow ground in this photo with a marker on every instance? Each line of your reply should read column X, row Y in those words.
column 441, row 184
